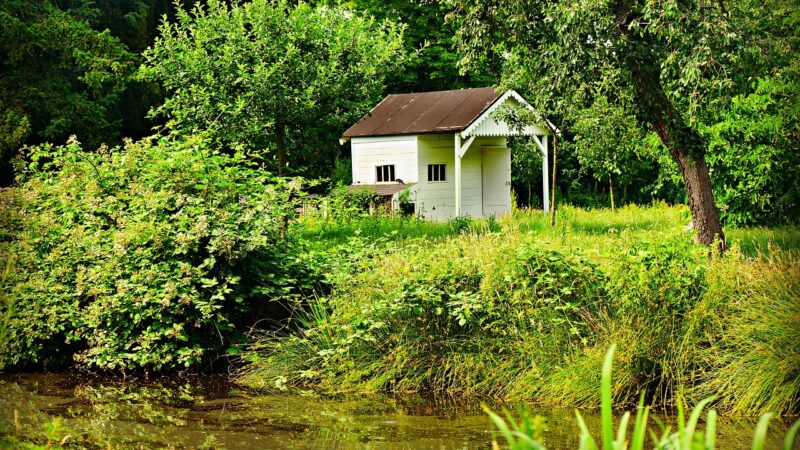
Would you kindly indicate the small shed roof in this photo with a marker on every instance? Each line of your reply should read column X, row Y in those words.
column 424, row 112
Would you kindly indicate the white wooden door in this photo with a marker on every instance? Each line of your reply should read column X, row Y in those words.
column 496, row 170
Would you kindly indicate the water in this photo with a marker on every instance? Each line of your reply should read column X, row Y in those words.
column 209, row 412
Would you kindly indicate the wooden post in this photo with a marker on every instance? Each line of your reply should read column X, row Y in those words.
column 611, row 191
column 545, row 173
column 457, row 156
column 555, row 165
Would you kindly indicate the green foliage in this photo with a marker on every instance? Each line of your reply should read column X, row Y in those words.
column 459, row 224
column 53, row 433
column 526, row 171
column 753, row 154
column 342, row 175
column 60, row 76
column 608, row 144
column 343, row 204
column 271, row 81
column 6, row 302
column 148, row 256
column 527, row 312
column 428, row 40
column 524, row 433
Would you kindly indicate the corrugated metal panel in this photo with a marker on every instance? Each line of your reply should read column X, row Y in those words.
column 426, row 112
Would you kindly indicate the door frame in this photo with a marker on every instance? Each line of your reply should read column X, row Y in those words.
column 508, row 170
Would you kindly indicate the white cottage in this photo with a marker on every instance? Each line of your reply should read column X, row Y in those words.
column 447, row 148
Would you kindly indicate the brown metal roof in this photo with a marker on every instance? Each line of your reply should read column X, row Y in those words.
column 424, row 112
column 382, row 189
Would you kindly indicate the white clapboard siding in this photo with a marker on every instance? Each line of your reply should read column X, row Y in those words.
column 436, row 200
column 369, row 152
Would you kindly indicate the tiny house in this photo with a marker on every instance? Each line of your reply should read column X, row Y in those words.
column 447, row 148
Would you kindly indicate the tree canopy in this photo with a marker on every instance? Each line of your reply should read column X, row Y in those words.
column 269, row 81
column 59, row 77
column 680, row 62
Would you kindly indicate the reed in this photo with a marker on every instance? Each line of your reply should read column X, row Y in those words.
column 522, row 434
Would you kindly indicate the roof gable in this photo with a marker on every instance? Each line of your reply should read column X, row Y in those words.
column 425, row 112
column 487, row 125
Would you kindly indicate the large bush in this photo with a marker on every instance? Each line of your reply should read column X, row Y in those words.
column 443, row 318
column 150, row 256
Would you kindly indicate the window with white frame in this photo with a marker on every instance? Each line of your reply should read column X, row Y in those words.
column 436, row 172
column 384, row 174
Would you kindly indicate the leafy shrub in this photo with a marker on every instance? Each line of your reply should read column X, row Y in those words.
column 421, row 317
column 149, row 256
column 459, row 224
column 344, row 204
column 753, row 154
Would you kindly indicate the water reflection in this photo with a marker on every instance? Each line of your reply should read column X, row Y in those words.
column 209, row 412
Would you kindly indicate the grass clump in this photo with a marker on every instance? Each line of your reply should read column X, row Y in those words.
column 525, row 433
column 752, row 359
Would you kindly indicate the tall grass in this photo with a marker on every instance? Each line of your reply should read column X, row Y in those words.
column 526, row 312
column 523, row 433
column 758, row 241
column 593, row 224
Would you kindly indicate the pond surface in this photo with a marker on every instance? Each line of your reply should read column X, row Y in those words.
column 209, row 412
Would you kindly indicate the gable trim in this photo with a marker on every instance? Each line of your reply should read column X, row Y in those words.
column 493, row 107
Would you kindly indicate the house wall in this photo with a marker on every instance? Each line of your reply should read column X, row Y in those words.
column 369, row 152
column 436, row 200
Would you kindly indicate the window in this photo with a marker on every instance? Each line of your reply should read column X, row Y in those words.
column 436, row 172
column 384, row 174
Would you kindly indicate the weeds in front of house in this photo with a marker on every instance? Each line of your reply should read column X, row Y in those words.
column 527, row 312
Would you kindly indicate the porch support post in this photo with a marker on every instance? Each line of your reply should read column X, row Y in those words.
column 457, row 156
column 461, row 150
column 541, row 141
column 545, row 171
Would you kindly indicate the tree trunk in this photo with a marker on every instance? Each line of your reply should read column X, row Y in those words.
column 696, row 179
column 280, row 140
column 705, row 216
column 553, row 188
column 611, row 191
column 684, row 143
column 530, row 200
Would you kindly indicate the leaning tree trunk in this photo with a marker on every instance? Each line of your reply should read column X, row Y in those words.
column 684, row 143
column 688, row 150
column 705, row 216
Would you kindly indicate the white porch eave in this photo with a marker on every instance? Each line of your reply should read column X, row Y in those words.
column 486, row 125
